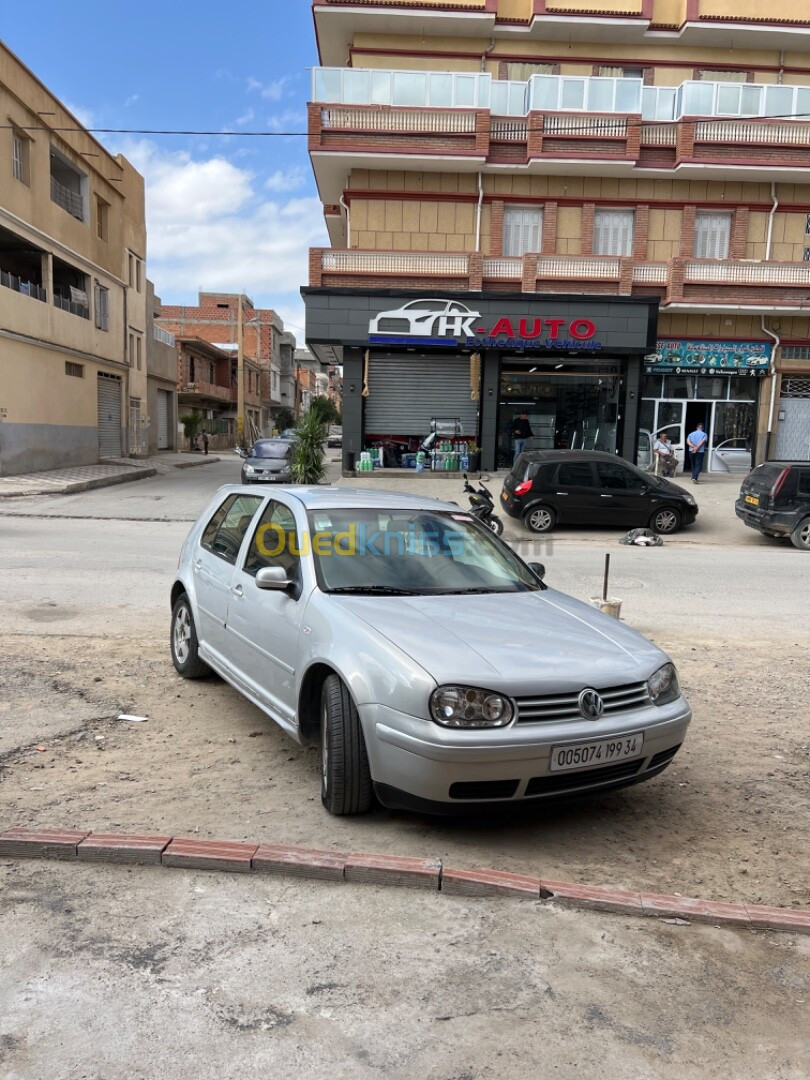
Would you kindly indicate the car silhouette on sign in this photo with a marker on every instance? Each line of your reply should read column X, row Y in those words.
column 428, row 318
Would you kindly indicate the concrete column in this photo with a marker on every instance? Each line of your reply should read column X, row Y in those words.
column 352, row 406
column 490, row 386
column 629, row 406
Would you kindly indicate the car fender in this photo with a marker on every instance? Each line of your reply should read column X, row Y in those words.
column 541, row 501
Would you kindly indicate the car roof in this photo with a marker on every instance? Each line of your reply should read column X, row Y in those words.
column 325, row 497
column 571, row 455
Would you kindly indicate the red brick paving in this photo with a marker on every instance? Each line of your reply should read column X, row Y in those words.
column 303, row 862
column 119, row 847
column 489, row 883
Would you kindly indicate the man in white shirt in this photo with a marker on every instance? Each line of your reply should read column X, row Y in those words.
column 665, row 455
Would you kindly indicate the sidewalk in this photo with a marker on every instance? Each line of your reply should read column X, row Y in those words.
column 105, row 474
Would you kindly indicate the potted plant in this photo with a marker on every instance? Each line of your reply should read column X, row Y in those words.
column 474, row 457
column 308, row 454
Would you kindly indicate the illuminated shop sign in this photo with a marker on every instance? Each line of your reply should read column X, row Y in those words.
column 710, row 358
column 448, row 322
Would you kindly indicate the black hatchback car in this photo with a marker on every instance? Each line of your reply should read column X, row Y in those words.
column 585, row 487
column 775, row 500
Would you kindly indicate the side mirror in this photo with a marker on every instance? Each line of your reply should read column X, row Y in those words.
column 241, row 451
column 537, row 569
column 272, row 577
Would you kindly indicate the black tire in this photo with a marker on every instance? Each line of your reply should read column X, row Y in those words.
column 496, row 525
column 183, row 638
column 345, row 775
column 666, row 520
column 540, row 519
column 800, row 537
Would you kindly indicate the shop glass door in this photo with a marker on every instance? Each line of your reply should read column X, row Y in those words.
column 671, row 419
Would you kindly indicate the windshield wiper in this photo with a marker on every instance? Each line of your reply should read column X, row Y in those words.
column 378, row 590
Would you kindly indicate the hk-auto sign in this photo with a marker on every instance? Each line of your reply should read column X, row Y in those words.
column 450, row 322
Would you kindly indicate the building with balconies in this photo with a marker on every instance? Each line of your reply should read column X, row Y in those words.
column 596, row 213
column 72, row 287
column 161, row 379
column 207, row 384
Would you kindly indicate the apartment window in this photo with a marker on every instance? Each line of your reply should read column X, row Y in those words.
column 522, row 230
column 613, row 232
column 712, row 236
column 806, row 258
column 136, row 352
column 609, row 71
column 68, row 185
column 708, row 75
column 134, row 271
column 76, row 370
column 20, row 156
column 102, row 306
column 102, row 218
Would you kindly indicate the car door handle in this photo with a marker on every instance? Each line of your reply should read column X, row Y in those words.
column 237, row 590
column 198, row 564
column 605, row 496
column 561, row 493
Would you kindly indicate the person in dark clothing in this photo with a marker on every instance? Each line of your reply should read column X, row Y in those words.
column 521, row 431
column 205, row 442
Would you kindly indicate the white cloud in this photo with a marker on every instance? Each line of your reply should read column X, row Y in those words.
column 85, row 117
column 272, row 91
column 210, row 228
column 283, row 180
column 131, row 100
column 246, row 117
column 291, row 121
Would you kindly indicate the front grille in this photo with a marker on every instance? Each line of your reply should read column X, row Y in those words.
column 664, row 757
column 545, row 785
column 484, row 789
column 539, row 710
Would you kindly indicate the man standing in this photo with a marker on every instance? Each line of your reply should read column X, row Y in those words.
column 521, row 431
column 697, row 448
column 205, row 442
column 665, row 455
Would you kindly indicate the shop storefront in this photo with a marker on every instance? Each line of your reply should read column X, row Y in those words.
column 469, row 365
column 714, row 383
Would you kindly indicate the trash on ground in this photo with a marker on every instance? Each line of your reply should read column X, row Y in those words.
column 642, row 538
column 134, row 719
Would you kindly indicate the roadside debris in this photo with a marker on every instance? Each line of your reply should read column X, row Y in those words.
column 134, row 719
column 642, row 538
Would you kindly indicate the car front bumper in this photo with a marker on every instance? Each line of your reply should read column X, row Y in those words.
column 416, row 763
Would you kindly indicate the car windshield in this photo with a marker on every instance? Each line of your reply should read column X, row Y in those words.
column 270, row 450
column 411, row 552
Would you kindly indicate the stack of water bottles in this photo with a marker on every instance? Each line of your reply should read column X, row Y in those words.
column 367, row 461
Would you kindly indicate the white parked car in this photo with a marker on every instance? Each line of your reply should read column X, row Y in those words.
column 421, row 317
column 437, row 669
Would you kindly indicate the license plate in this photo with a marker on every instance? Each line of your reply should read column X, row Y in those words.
column 752, row 499
column 504, row 496
column 583, row 755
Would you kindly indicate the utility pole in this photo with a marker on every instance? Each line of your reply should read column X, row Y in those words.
column 240, row 378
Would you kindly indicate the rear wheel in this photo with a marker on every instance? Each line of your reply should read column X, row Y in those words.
column 800, row 537
column 666, row 520
column 496, row 525
column 185, row 654
column 345, row 774
column 539, row 519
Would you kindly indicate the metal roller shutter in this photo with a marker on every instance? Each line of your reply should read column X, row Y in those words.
column 163, row 419
column 405, row 392
column 109, row 416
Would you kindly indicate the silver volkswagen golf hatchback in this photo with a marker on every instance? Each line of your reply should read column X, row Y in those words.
column 436, row 668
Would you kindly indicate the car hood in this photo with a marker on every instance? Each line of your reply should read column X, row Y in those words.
column 273, row 464
column 520, row 643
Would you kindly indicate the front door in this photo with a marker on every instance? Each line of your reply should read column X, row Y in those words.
column 264, row 624
column 622, row 495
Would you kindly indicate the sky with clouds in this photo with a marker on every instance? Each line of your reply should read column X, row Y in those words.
column 224, row 212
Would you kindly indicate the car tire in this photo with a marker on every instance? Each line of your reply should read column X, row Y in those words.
column 666, row 520
column 346, row 786
column 184, row 645
column 800, row 537
column 540, row 519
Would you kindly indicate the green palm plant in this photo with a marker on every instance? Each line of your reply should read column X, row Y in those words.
column 308, row 456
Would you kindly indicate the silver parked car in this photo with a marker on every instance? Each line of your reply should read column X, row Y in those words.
column 437, row 669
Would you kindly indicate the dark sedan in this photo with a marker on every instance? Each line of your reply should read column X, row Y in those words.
column 268, row 461
column 585, row 487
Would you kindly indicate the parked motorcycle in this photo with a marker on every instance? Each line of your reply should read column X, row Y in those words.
column 482, row 505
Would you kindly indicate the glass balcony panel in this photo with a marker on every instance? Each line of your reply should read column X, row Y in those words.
column 518, row 98
column 466, row 87
column 667, row 101
column 573, row 94
column 628, row 95
column 381, row 88
column 441, row 91
column 779, row 101
column 410, row 88
column 543, row 92
column 356, row 87
column 326, row 85
column 803, row 102
column 499, row 98
column 600, row 94
column 750, row 100
column 728, row 99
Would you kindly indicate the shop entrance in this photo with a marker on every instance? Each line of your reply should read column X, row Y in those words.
column 566, row 407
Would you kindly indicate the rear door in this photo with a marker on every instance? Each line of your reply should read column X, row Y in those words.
column 574, row 494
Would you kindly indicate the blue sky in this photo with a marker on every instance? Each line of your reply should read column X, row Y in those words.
column 223, row 213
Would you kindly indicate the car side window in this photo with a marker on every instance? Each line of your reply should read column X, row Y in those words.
column 226, row 530
column 575, row 474
column 614, row 477
column 275, row 542
column 803, row 484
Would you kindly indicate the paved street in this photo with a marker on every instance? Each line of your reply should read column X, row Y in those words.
column 254, row 972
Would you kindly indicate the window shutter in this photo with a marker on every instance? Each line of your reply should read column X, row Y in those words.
column 613, row 232
column 712, row 235
column 522, row 230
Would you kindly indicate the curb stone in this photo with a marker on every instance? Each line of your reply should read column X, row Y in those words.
column 238, row 856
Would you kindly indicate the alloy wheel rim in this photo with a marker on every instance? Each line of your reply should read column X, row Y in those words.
column 182, row 635
column 540, row 519
column 666, row 522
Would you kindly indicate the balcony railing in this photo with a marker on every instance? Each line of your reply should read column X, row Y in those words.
column 26, row 288
column 75, row 307
column 677, row 281
column 71, row 201
column 163, row 335
column 208, row 390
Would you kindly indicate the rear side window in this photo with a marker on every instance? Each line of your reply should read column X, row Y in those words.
column 764, row 476
column 226, row 530
column 803, row 482
column 575, row 474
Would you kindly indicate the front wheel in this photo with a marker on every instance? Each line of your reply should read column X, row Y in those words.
column 496, row 525
column 345, row 774
column 666, row 520
column 540, row 519
column 800, row 537
column 185, row 654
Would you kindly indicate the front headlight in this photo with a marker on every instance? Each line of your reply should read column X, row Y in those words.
column 663, row 686
column 467, row 707
column 690, row 500
column 249, row 470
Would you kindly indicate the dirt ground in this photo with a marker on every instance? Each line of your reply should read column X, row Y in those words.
column 727, row 821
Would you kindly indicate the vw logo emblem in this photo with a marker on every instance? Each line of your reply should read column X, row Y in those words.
column 591, row 705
